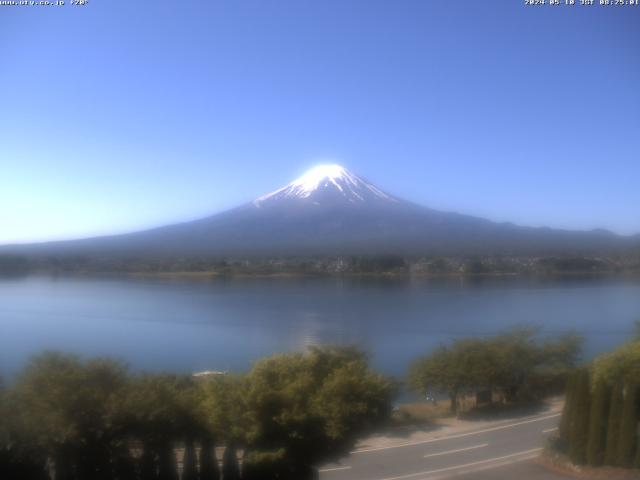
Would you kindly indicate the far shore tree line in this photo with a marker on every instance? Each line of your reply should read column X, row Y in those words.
column 64, row 418
column 365, row 264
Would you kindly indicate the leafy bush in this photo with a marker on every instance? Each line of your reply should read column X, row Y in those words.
column 93, row 419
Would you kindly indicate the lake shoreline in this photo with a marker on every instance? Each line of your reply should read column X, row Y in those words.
column 385, row 275
column 392, row 276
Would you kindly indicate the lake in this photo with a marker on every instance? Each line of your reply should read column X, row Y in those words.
column 187, row 325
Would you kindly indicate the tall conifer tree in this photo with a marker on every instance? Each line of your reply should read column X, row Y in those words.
column 568, row 409
column 579, row 425
column 598, row 424
column 628, row 425
column 613, row 425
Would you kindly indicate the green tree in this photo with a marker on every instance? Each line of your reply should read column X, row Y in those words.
column 515, row 363
column 613, row 425
column 439, row 372
column 313, row 405
column 579, row 426
column 619, row 365
column 533, row 367
column 628, row 425
column 223, row 400
column 160, row 412
column 265, row 465
column 598, row 424
column 557, row 359
column 69, row 408
column 565, row 421
column 563, row 352
column 619, row 368
column 519, row 356
column 19, row 456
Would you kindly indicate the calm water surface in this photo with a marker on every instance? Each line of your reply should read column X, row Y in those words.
column 192, row 325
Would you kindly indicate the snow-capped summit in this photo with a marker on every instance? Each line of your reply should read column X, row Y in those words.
column 327, row 184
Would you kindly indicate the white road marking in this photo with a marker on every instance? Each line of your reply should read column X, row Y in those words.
column 459, row 435
column 550, row 430
column 480, row 468
column 464, row 465
column 334, row 469
column 456, row 450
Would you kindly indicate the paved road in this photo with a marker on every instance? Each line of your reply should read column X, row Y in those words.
column 524, row 470
column 501, row 451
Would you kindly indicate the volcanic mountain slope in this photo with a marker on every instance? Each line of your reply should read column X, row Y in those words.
column 329, row 210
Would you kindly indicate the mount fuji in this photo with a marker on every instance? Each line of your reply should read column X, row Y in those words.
column 327, row 185
column 330, row 210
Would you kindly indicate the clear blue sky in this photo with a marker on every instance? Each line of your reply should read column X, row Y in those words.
column 127, row 114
